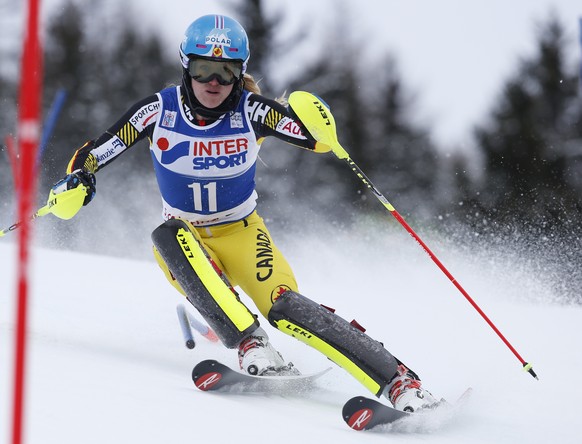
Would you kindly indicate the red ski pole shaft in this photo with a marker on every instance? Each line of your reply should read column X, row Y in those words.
column 315, row 114
column 527, row 367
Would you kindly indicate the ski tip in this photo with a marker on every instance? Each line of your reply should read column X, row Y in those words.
column 207, row 381
column 356, row 415
column 207, row 374
column 360, row 419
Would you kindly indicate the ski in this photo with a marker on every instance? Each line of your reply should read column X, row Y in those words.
column 362, row 413
column 211, row 375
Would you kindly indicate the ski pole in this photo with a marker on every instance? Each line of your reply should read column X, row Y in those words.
column 41, row 212
column 201, row 328
column 63, row 205
column 187, row 322
column 315, row 115
column 15, row 225
column 185, row 326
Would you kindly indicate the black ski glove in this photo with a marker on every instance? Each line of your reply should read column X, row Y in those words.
column 75, row 179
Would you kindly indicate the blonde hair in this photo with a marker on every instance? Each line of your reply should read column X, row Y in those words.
column 250, row 84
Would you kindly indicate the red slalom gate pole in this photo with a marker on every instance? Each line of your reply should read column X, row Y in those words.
column 29, row 104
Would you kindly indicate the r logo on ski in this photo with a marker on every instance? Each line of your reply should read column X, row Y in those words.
column 360, row 419
column 208, row 380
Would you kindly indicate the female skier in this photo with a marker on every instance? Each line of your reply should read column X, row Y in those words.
column 204, row 138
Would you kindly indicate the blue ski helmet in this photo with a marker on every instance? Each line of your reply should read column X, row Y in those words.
column 215, row 36
column 219, row 38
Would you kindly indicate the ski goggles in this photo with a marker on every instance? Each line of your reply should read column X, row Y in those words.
column 225, row 72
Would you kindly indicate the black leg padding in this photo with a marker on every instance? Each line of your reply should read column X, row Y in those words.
column 218, row 305
column 365, row 358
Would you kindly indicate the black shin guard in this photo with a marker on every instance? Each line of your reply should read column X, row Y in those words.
column 363, row 357
column 204, row 288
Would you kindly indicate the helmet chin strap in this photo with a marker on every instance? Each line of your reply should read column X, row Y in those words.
column 229, row 104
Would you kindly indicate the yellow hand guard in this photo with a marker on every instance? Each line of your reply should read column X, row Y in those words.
column 317, row 118
column 66, row 204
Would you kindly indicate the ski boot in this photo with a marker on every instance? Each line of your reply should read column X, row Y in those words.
column 406, row 393
column 257, row 357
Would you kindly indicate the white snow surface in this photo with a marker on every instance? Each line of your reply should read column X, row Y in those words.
column 107, row 363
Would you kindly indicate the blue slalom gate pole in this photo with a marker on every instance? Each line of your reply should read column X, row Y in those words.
column 580, row 73
column 51, row 121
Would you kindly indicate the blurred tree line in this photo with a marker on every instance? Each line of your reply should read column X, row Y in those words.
column 528, row 150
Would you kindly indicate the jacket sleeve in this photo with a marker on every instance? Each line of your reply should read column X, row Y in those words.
column 271, row 118
column 137, row 123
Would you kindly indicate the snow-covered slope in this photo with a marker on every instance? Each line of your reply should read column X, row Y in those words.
column 107, row 362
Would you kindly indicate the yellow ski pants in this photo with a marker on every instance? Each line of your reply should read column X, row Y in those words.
column 245, row 252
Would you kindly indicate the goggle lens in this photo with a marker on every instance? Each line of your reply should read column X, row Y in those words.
column 225, row 73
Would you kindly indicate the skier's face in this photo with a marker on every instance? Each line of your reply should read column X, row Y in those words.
column 211, row 94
